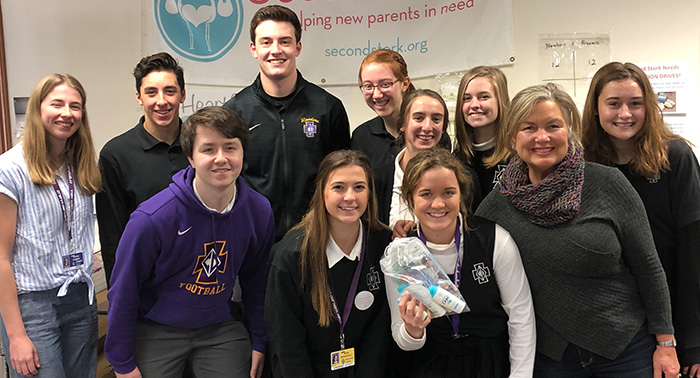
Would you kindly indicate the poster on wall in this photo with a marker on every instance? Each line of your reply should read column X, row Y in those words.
column 211, row 38
column 669, row 82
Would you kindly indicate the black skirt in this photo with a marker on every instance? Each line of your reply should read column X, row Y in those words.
column 466, row 357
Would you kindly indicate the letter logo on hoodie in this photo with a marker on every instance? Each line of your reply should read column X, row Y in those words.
column 212, row 260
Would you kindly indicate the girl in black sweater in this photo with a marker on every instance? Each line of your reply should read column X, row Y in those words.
column 326, row 309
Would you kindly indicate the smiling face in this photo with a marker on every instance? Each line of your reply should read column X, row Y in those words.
column 386, row 103
column 276, row 49
column 424, row 124
column 621, row 110
column 541, row 139
column 161, row 96
column 436, row 201
column 61, row 114
column 346, row 195
column 480, row 107
column 217, row 161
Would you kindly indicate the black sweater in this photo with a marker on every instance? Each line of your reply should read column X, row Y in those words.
column 299, row 347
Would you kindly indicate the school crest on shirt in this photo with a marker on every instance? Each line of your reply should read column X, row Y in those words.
column 481, row 273
column 498, row 173
column 213, row 259
column 310, row 126
column 373, row 279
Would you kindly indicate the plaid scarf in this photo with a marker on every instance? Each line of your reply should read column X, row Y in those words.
column 552, row 201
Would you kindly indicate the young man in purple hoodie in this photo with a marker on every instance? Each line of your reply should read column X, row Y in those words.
column 178, row 260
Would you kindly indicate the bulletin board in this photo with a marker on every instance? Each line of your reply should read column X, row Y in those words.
column 571, row 60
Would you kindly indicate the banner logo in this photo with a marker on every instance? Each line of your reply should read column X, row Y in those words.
column 200, row 30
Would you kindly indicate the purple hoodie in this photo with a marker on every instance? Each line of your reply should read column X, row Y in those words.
column 177, row 263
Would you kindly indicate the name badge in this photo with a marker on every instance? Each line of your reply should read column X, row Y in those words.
column 342, row 359
column 73, row 260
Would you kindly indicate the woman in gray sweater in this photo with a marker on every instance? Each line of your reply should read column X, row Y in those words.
column 597, row 284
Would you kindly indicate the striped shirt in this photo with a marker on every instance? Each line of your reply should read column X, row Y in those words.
column 41, row 237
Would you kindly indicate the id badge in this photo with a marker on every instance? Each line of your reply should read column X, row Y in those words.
column 73, row 261
column 342, row 359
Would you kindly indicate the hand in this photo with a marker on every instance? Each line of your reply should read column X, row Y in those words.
column 693, row 371
column 256, row 366
column 25, row 359
column 666, row 361
column 411, row 311
column 136, row 373
column 401, row 228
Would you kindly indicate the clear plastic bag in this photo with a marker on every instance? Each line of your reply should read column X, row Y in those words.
column 409, row 263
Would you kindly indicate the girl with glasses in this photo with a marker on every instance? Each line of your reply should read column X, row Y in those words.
column 384, row 82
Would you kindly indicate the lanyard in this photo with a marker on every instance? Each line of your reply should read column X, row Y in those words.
column 454, row 318
column 351, row 294
column 67, row 217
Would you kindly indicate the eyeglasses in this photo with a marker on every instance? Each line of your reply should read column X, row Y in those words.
column 384, row 86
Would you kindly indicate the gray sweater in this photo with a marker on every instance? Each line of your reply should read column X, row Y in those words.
column 595, row 279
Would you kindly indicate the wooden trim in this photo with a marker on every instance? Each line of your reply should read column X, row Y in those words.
column 5, row 120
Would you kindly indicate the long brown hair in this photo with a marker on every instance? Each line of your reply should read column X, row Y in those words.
column 79, row 151
column 463, row 131
column 313, row 261
column 651, row 147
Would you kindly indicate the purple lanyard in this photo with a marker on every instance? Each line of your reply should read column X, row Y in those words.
column 454, row 318
column 71, row 197
column 351, row 294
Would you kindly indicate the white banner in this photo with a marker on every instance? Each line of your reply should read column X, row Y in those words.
column 211, row 38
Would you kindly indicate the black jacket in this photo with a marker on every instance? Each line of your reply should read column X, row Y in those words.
column 288, row 139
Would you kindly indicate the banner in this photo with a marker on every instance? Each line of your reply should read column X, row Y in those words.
column 211, row 38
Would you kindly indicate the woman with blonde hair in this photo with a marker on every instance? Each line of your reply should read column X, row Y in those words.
column 49, row 317
column 325, row 300
column 482, row 108
column 601, row 301
column 623, row 127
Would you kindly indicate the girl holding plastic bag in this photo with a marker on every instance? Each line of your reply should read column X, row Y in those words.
column 497, row 337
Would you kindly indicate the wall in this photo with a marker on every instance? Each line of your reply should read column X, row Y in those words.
column 99, row 42
column 96, row 41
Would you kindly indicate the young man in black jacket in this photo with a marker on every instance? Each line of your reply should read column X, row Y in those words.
column 293, row 124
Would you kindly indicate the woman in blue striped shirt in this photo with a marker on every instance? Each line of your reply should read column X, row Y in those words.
column 49, row 317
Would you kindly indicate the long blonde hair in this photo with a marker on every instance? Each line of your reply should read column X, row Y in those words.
column 313, row 261
column 79, row 151
column 651, row 142
column 464, row 132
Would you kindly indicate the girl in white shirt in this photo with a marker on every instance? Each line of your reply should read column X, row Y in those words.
column 497, row 337
column 47, row 229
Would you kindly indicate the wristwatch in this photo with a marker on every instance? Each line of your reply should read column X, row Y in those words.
column 670, row 343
